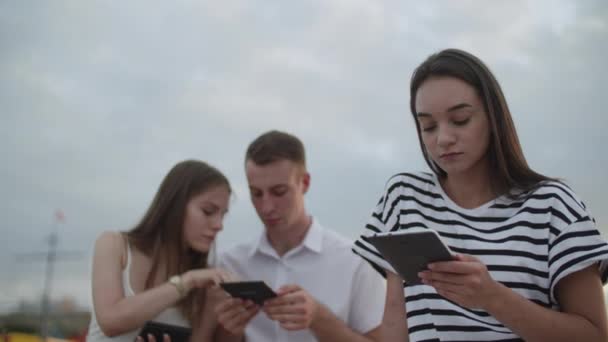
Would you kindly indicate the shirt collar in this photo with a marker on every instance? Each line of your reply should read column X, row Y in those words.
column 313, row 241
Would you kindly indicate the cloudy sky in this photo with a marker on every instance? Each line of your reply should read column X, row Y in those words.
column 100, row 98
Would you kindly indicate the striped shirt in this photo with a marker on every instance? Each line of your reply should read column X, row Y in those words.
column 527, row 244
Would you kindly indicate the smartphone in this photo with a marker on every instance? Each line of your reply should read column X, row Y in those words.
column 157, row 329
column 256, row 291
column 409, row 252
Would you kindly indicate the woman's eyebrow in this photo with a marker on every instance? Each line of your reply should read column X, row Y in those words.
column 459, row 106
column 451, row 109
column 210, row 204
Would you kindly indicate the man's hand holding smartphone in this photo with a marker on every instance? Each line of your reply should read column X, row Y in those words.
column 233, row 314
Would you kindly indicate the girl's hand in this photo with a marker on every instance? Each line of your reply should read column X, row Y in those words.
column 151, row 338
column 233, row 314
column 465, row 281
column 205, row 277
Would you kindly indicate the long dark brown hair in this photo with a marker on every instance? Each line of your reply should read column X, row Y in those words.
column 508, row 167
column 159, row 234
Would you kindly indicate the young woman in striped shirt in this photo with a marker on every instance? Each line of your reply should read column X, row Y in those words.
column 530, row 261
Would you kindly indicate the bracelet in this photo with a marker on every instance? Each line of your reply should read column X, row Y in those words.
column 176, row 281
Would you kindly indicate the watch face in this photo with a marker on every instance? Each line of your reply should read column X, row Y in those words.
column 176, row 281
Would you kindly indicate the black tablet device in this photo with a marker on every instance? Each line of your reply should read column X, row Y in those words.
column 409, row 252
column 157, row 329
column 256, row 291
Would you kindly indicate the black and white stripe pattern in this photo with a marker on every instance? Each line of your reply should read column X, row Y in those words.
column 528, row 244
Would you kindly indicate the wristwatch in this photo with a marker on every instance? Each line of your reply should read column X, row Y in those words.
column 176, row 281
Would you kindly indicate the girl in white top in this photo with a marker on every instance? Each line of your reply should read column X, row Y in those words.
column 159, row 270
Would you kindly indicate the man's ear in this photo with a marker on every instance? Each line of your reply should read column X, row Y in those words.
column 306, row 182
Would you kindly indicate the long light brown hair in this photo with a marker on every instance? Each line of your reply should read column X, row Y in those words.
column 508, row 167
column 159, row 234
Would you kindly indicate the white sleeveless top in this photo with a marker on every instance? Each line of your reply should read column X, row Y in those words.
column 169, row 315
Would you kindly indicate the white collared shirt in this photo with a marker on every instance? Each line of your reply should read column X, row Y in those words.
column 325, row 266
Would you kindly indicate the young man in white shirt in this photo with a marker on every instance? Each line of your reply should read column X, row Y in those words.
column 326, row 292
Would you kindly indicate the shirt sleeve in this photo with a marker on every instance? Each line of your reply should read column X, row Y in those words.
column 577, row 246
column 367, row 299
column 382, row 216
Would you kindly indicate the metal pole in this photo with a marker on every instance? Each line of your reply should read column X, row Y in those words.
column 48, row 279
column 51, row 256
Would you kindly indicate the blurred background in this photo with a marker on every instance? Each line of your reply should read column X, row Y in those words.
column 99, row 99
